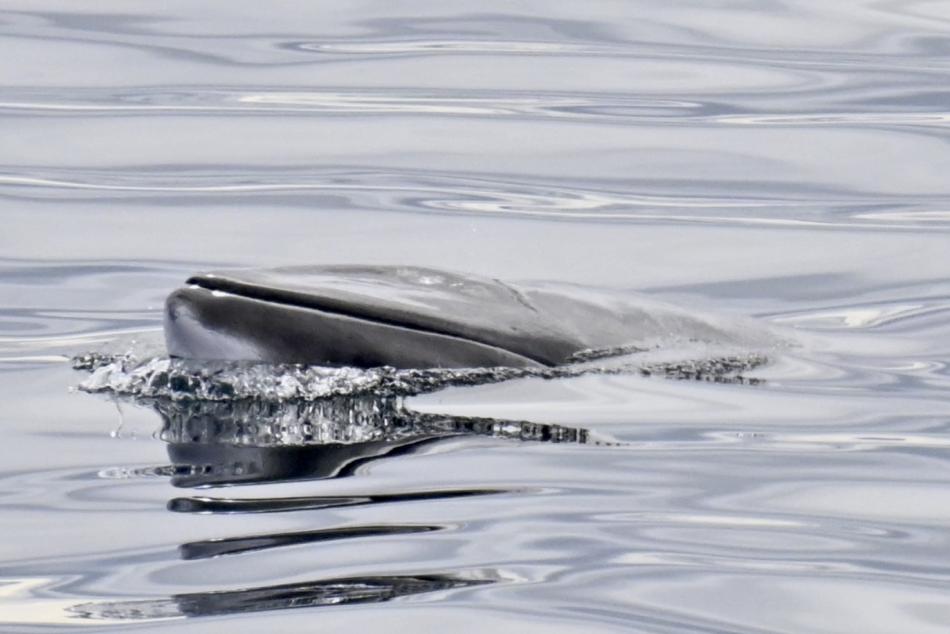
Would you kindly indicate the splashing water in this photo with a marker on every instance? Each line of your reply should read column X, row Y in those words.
column 178, row 379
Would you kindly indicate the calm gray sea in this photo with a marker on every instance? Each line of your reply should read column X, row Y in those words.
column 785, row 161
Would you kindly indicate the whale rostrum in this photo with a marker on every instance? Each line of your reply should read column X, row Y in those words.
column 406, row 317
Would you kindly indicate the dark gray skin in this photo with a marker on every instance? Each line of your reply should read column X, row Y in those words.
column 405, row 317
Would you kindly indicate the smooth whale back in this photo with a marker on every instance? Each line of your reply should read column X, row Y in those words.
column 409, row 317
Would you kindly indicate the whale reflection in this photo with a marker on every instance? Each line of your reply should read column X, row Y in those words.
column 250, row 442
column 216, row 443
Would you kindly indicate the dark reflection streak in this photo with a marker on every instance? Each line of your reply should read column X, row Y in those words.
column 428, row 44
column 115, row 23
column 804, row 60
column 472, row 27
column 419, row 27
column 846, row 104
column 60, row 314
column 280, row 597
column 581, row 115
column 235, row 545
column 308, row 503
column 602, row 200
column 161, row 51
column 351, row 468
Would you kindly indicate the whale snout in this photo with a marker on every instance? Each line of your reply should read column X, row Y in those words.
column 194, row 328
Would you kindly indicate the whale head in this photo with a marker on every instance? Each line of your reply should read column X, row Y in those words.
column 414, row 317
column 363, row 316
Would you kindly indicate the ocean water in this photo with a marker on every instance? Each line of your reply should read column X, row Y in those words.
column 781, row 161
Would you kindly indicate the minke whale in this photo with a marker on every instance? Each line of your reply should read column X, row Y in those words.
column 406, row 317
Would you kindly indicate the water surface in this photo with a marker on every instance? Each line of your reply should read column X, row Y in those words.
column 784, row 161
